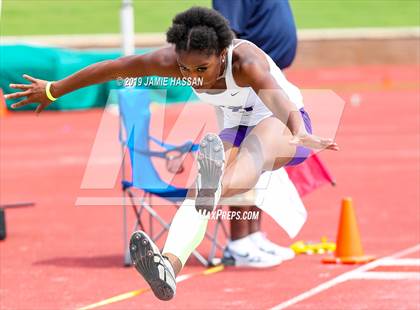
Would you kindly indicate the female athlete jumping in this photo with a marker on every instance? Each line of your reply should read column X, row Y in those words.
column 265, row 125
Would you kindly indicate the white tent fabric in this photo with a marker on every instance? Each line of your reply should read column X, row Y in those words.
column 277, row 196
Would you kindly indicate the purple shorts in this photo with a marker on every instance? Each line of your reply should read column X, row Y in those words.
column 236, row 135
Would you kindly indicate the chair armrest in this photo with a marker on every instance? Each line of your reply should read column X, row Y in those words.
column 183, row 148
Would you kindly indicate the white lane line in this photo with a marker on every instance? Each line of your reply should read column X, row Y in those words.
column 183, row 277
column 380, row 275
column 342, row 277
column 401, row 262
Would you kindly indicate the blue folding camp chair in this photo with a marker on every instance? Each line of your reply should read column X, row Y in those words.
column 134, row 107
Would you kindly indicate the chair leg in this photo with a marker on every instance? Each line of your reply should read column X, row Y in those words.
column 127, row 258
column 136, row 211
column 214, row 243
column 214, row 240
column 225, row 231
column 200, row 258
column 158, row 235
column 150, row 216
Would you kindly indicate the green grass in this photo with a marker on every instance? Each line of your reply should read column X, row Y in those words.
column 29, row 17
column 356, row 13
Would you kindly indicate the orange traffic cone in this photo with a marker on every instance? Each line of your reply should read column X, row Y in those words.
column 349, row 247
column 3, row 106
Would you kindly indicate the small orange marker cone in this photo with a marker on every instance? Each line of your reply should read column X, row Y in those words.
column 3, row 106
column 387, row 82
column 349, row 247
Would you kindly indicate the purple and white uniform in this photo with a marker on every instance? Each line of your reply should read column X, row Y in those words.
column 243, row 109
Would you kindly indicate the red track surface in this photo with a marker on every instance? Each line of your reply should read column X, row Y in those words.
column 59, row 256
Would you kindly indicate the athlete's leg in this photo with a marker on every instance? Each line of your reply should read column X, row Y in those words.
column 186, row 232
column 254, row 225
column 238, row 228
column 188, row 227
column 267, row 147
column 241, row 250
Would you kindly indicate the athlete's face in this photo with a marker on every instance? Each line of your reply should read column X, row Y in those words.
column 201, row 65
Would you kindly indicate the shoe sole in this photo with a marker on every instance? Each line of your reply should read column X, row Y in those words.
column 284, row 256
column 232, row 262
column 240, row 263
column 142, row 250
column 211, row 158
column 258, row 265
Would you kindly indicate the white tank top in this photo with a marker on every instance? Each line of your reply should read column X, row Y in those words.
column 241, row 105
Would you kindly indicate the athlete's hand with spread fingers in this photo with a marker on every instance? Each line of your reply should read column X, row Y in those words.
column 34, row 93
column 314, row 142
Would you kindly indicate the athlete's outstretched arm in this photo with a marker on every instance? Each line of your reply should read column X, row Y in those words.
column 257, row 75
column 161, row 62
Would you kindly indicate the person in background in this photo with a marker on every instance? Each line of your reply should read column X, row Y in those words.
column 269, row 24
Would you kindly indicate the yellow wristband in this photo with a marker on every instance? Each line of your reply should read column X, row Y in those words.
column 48, row 92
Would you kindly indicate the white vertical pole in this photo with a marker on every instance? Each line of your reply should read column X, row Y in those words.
column 127, row 32
column 127, row 27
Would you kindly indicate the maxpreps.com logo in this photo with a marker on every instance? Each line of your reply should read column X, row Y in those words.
column 230, row 215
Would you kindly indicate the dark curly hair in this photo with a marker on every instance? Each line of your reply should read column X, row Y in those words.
column 200, row 29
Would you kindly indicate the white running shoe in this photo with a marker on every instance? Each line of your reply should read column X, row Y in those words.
column 265, row 245
column 248, row 255
column 211, row 158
